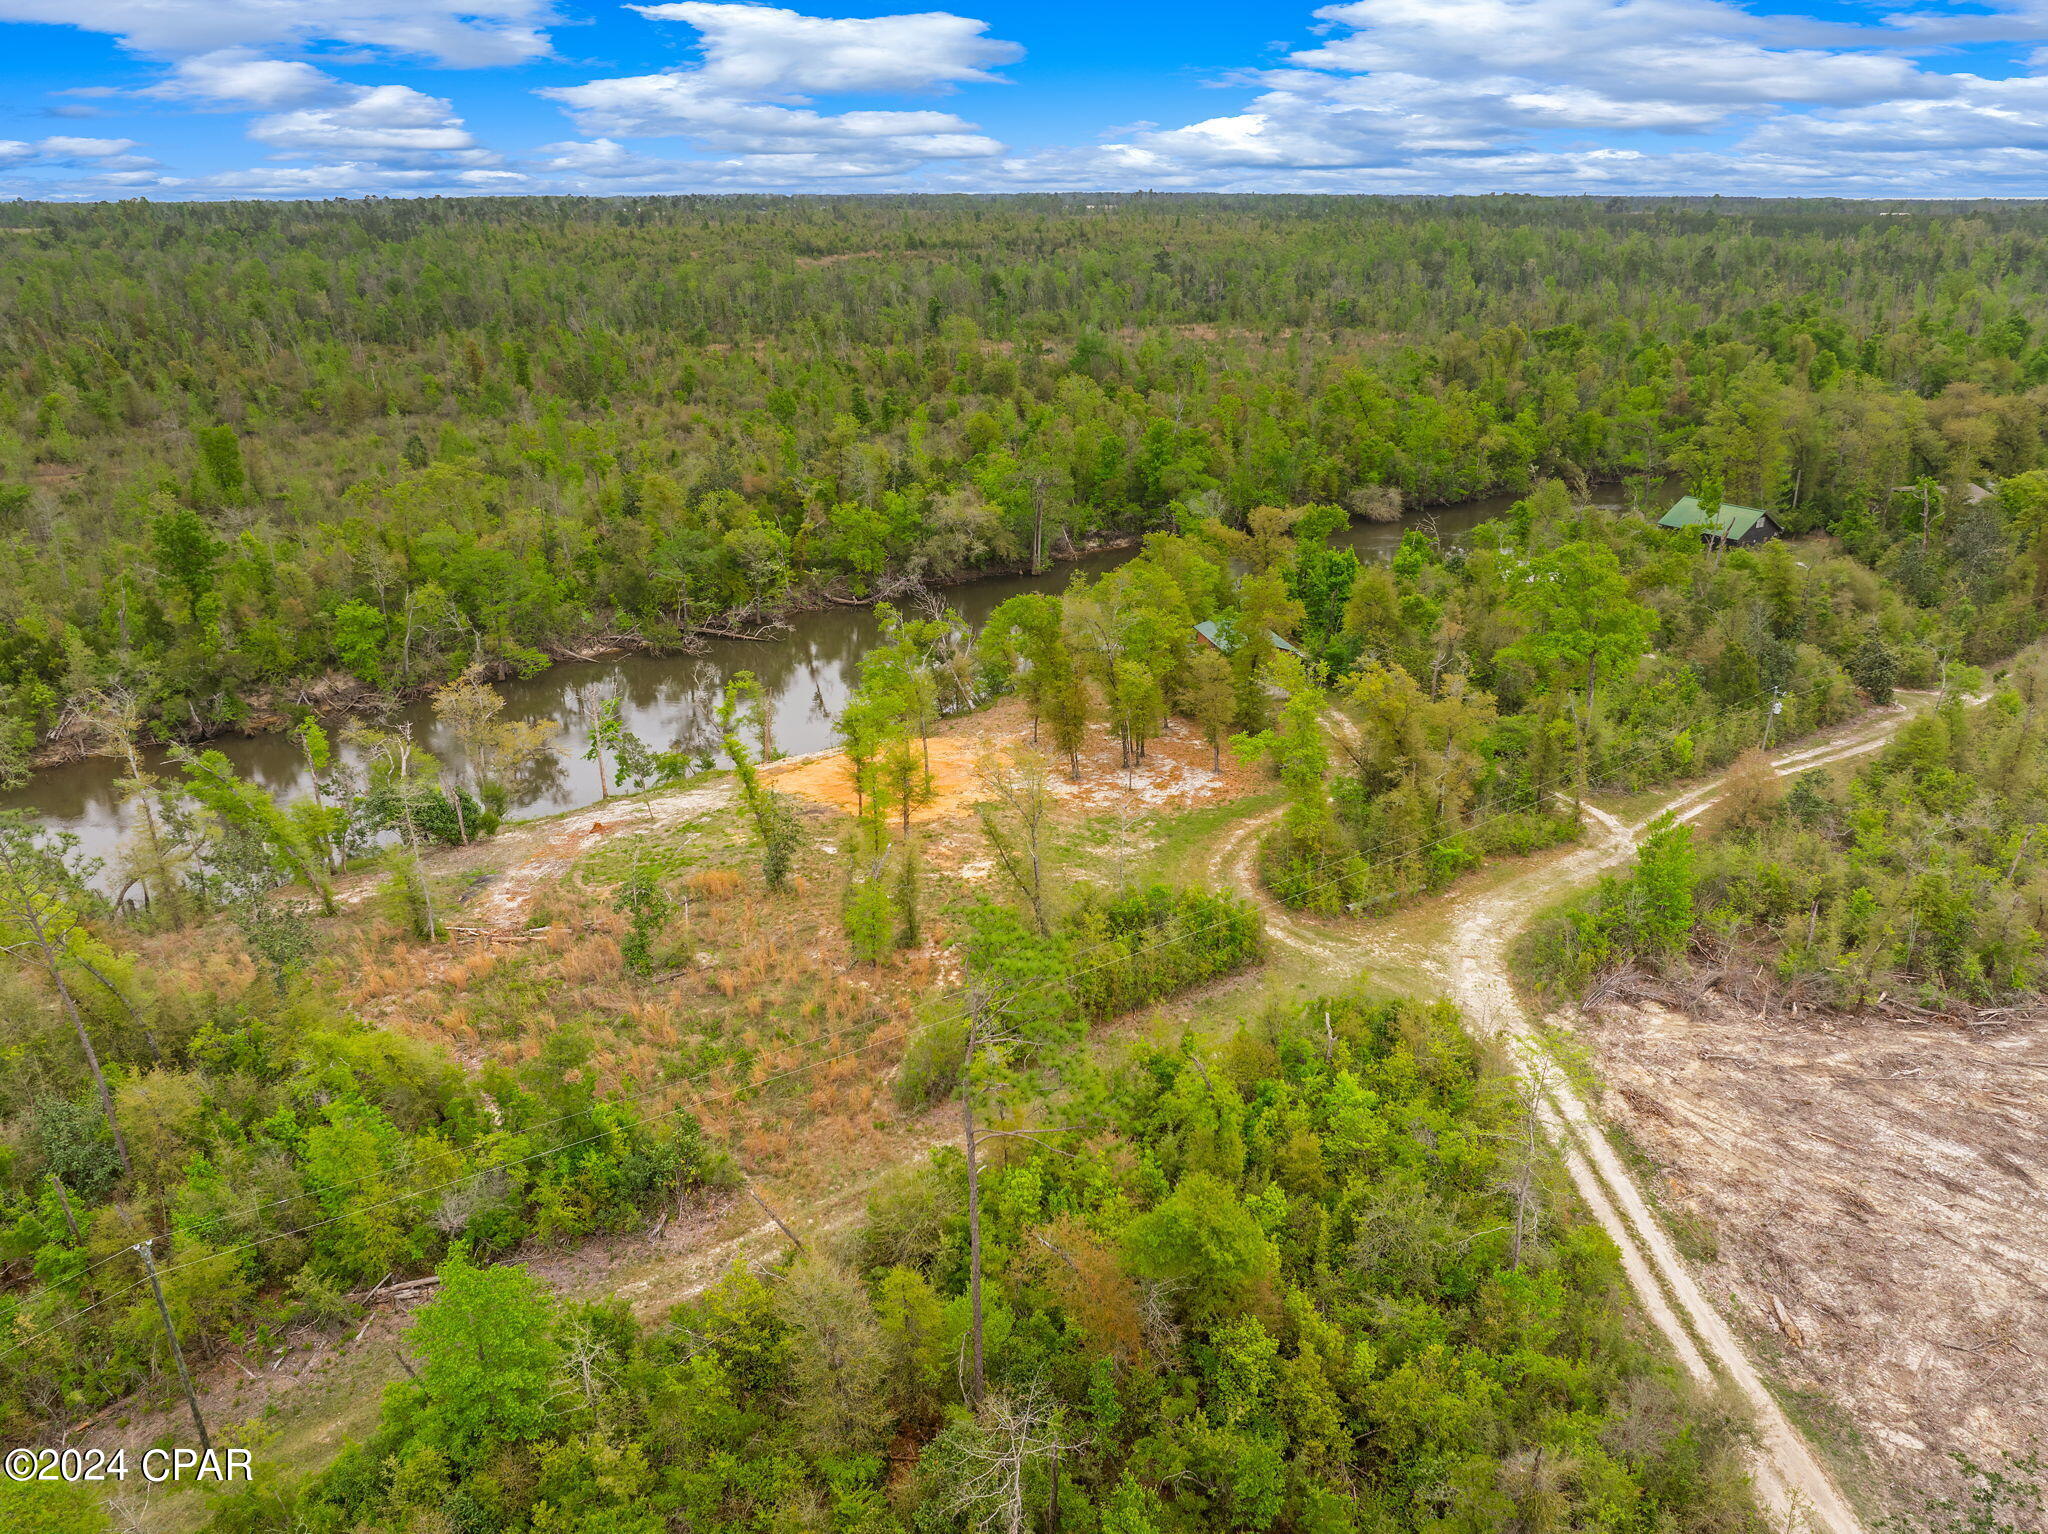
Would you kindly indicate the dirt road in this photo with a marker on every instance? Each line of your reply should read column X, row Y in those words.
column 1467, row 959
column 1789, row 1477
column 1472, row 966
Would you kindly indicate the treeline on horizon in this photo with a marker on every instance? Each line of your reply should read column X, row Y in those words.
column 248, row 446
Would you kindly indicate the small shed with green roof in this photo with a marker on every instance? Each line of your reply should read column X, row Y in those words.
column 1743, row 526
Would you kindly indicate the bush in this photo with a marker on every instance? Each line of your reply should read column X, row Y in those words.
column 1156, row 941
column 930, row 1072
column 1513, row 833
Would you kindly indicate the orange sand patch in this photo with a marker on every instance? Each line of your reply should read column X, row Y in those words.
column 1178, row 772
column 827, row 780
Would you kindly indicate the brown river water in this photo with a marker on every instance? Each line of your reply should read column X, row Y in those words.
column 806, row 671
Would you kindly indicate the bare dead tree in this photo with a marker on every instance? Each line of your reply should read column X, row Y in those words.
column 586, row 1358
column 1155, row 1316
column 1522, row 1180
column 1011, row 1431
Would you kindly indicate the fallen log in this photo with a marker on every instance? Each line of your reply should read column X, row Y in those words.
column 411, row 1289
column 1792, row 1332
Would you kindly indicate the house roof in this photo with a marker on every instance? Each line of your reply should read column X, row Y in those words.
column 1213, row 632
column 1731, row 522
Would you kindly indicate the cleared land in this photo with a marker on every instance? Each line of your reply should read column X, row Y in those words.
column 1869, row 1202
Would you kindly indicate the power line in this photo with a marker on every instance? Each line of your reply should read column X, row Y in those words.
column 714, row 1097
column 837, row 1033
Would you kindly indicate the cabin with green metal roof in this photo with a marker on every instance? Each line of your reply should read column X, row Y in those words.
column 1743, row 526
column 1224, row 636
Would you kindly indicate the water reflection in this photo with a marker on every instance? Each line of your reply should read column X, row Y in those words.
column 806, row 674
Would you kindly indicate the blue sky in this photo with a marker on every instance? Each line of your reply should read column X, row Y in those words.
column 270, row 98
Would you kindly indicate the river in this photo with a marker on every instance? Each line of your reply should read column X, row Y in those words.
column 806, row 672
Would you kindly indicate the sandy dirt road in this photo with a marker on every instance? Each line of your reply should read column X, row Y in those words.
column 1790, row 1478
column 1471, row 963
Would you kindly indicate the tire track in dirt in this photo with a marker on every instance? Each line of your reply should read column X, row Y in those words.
column 1474, row 966
column 1792, row 1483
column 1233, row 863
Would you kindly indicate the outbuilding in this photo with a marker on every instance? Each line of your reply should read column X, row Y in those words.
column 1743, row 526
column 1224, row 636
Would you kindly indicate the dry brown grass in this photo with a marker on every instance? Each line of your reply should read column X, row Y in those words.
column 754, row 1002
column 716, row 883
column 595, row 958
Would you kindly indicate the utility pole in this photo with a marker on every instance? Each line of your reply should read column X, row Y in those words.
column 178, row 1353
column 793, row 1240
column 1770, row 719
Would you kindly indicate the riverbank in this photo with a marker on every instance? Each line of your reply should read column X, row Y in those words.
column 668, row 694
column 337, row 694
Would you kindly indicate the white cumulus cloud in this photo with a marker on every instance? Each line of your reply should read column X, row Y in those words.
column 1577, row 95
column 383, row 122
column 1381, row 95
column 464, row 33
column 242, row 77
column 763, row 51
column 63, row 149
column 750, row 96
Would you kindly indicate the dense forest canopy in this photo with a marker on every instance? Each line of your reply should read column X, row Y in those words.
column 250, row 445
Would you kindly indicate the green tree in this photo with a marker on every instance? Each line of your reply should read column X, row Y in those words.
column 360, row 636
column 221, row 470
column 1203, row 1239
column 647, row 909
column 489, row 1350
column 40, row 892
column 1211, row 699
column 187, row 553
column 1064, row 702
column 1581, row 617
column 912, row 1321
column 611, row 740
column 405, row 791
column 1581, row 621
column 243, row 808
column 1137, row 707
column 1015, row 813
column 870, row 922
column 1875, row 669
column 1020, row 1034
column 839, row 1368
column 771, row 814
column 1665, row 879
